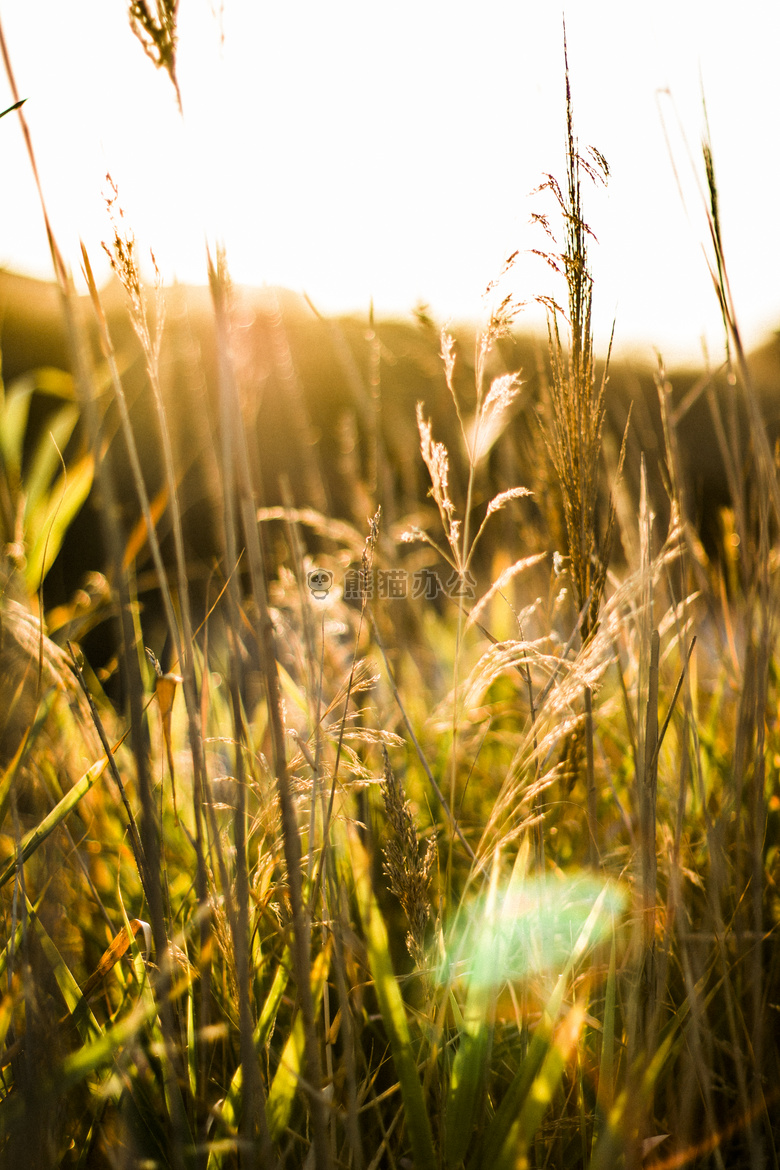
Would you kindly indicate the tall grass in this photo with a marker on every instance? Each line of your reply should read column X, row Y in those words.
column 520, row 914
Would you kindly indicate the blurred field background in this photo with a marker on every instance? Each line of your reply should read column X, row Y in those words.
column 389, row 744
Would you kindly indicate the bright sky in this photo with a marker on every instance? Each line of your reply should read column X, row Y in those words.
column 356, row 150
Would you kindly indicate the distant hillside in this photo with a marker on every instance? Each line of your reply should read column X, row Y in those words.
column 332, row 406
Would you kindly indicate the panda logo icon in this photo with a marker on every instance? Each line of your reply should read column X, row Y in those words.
column 320, row 582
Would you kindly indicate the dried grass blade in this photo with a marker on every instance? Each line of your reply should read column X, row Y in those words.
column 113, row 953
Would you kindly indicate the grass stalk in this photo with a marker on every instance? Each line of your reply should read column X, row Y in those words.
column 134, row 688
column 237, row 455
column 647, row 783
column 593, row 818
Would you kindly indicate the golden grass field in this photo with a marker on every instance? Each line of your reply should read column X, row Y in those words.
column 389, row 742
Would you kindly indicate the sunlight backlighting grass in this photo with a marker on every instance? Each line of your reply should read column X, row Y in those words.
column 424, row 895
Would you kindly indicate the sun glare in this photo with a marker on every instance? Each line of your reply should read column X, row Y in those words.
column 389, row 154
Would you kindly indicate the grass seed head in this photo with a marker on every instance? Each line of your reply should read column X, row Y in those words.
column 407, row 863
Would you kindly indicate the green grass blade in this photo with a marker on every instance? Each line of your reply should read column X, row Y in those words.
column 515, row 1097
column 529, row 1095
column 622, row 1117
column 514, row 1150
column 90, row 1058
column 539, row 1049
column 51, row 521
column 45, row 464
column 470, row 1065
column 468, row 1079
column 284, row 1086
column 6, row 1015
column 192, row 1046
column 32, row 840
column 231, row 1106
column 606, row 1089
column 78, row 1008
column 13, row 417
column 273, row 999
column 391, row 1006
